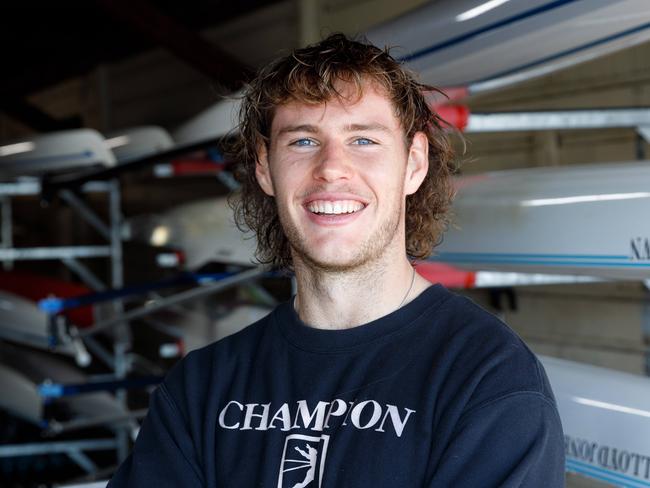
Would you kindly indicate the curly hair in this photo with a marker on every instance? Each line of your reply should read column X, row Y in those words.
column 311, row 75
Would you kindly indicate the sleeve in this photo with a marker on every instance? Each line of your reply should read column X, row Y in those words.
column 513, row 441
column 163, row 454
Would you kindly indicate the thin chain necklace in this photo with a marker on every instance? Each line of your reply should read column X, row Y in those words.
column 408, row 291
column 295, row 298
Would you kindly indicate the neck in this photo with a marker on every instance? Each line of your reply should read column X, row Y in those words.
column 345, row 299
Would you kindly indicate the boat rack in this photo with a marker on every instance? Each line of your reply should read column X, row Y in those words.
column 115, row 291
column 71, row 257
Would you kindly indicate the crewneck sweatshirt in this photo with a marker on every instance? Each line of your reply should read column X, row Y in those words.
column 438, row 393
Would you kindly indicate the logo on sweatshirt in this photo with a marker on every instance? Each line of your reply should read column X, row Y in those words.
column 315, row 416
column 303, row 461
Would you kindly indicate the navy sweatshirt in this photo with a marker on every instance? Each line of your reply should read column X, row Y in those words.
column 436, row 394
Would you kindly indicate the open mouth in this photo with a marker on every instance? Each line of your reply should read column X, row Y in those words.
column 338, row 207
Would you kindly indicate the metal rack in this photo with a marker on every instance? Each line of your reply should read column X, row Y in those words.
column 117, row 359
column 70, row 256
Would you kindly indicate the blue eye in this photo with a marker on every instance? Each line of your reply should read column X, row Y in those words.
column 362, row 141
column 303, row 143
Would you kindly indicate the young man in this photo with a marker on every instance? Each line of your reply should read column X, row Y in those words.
column 370, row 376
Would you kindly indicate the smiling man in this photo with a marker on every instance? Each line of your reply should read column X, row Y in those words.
column 339, row 173
column 370, row 376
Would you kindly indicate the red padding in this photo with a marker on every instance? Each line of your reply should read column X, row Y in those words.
column 35, row 287
column 446, row 275
column 191, row 167
column 455, row 115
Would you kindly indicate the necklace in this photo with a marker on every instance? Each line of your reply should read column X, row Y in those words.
column 408, row 291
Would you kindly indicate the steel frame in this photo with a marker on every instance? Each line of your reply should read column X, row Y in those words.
column 69, row 255
column 117, row 360
column 636, row 118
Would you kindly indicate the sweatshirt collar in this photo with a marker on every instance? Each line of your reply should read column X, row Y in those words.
column 324, row 340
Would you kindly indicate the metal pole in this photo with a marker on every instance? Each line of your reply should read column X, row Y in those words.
column 58, row 252
column 34, row 187
column 100, row 351
column 87, row 276
column 559, row 120
column 117, row 275
column 83, row 461
column 20, row 188
column 185, row 296
column 86, row 213
column 122, row 333
column 59, row 427
column 7, row 232
column 308, row 11
column 12, row 450
column 104, row 97
column 644, row 131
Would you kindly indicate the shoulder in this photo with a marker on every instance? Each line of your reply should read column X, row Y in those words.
column 466, row 317
column 490, row 359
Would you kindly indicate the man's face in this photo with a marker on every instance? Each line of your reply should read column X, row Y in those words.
column 340, row 173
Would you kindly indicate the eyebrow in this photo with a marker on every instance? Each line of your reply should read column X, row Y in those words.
column 312, row 129
column 375, row 126
column 288, row 129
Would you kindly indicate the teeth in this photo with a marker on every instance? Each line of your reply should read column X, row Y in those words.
column 334, row 208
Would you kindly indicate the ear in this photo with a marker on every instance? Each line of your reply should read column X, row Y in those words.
column 417, row 164
column 263, row 172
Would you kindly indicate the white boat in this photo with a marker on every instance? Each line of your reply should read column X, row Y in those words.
column 76, row 149
column 606, row 420
column 483, row 45
column 474, row 44
column 572, row 220
column 480, row 45
column 23, row 370
column 203, row 231
column 578, row 220
column 54, row 152
column 138, row 142
column 216, row 121
column 22, row 322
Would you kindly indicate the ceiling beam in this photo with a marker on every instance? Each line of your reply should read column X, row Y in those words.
column 188, row 46
column 34, row 118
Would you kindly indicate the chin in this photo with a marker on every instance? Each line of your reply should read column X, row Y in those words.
column 333, row 263
column 338, row 253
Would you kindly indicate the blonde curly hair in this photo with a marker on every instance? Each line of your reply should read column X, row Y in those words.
column 311, row 75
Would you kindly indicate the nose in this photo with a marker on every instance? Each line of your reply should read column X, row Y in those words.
column 332, row 163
